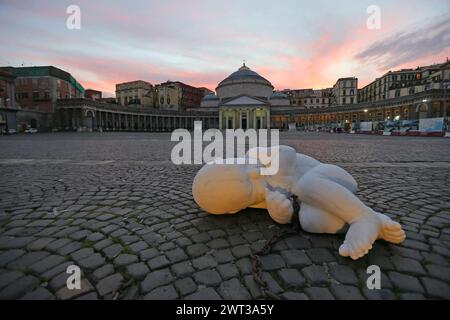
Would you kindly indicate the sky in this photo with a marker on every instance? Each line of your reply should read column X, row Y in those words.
column 293, row 43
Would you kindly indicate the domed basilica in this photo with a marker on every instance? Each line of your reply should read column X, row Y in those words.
column 244, row 100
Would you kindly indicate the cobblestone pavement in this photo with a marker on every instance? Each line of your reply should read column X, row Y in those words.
column 115, row 206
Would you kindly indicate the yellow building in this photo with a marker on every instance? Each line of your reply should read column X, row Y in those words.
column 135, row 93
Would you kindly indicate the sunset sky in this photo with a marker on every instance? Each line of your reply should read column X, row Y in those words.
column 293, row 43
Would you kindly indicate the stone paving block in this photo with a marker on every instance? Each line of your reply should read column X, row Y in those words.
column 92, row 262
column 295, row 258
column 343, row 274
column 185, row 286
column 47, row 263
column 109, row 284
column 125, row 259
column 272, row 262
column 156, row 279
column 103, row 271
column 10, row 255
column 19, row 288
column 204, row 294
column 382, row 294
column 137, row 270
column 196, row 250
column 317, row 293
column 345, row 292
column 183, row 268
column 244, row 265
column 162, row 293
column 291, row 278
column 408, row 265
column 28, row 259
column 233, row 290
column 65, row 294
column 8, row 277
column 39, row 243
column 204, row 262
column 207, row 277
column 148, row 254
column 82, row 253
column 440, row 272
column 320, row 255
column 240, row 251
column 39, row 294
column 158, row 262
column 436, row 288
column 176, row 255
column 88, row 296
column 315, row 275
column 405, row 282
column 294, row 296
column 411, row 296
column 228, row 271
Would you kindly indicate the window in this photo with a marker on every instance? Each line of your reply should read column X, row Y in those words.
column 168, row 100
column 343, row 92
column 317, row 101
column 397, row 93
column 351, row 100
column 161, row 100
column 343, row 100
column 35, row 94
column 352, row 92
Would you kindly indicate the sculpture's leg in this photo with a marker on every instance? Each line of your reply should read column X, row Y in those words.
column 315, row 220
column 328, row 188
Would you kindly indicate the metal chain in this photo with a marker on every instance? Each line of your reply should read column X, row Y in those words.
column 256, row 261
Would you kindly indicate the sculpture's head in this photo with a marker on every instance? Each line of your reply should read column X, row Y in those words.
column 227, row 188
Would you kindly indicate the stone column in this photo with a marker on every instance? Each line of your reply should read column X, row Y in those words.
column 268, row 118
column 248, row 120
column 240, row 119
column 234, row 119
column 254, row 119
column 261, row 119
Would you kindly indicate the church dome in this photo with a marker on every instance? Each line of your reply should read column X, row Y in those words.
column 210, row 100
column 210, row 97
column 244, row 81
column 278, row 98
column 278, row 95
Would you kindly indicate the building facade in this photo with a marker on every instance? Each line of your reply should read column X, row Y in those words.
column 310, row 98
column 405, row 82
column 36, row 91
column 137, row 92
column 93, row 94
column 178, row 96
column 345, row 91
column 7, row 101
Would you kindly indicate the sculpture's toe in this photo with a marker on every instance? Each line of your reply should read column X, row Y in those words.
column 344, row 250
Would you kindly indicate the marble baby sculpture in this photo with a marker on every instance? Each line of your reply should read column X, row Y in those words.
column 326, row 195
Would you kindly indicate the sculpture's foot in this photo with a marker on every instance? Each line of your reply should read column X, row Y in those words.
column 390, row 231
column 360, row 237
column 362, row 234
